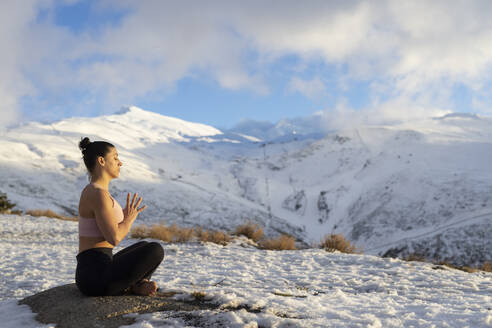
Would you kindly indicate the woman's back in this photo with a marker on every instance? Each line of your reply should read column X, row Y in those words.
column 90, row 235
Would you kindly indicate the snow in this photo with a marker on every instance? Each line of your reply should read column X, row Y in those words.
column 13, row 315
column 308, row 288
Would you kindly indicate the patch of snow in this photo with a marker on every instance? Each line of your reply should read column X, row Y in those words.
column 255, row 287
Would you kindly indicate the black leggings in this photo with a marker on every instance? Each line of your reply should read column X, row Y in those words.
column 100, row 273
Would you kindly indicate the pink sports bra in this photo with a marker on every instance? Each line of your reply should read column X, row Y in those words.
column 88, row 226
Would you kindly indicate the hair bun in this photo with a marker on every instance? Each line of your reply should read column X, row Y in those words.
column 84, row 144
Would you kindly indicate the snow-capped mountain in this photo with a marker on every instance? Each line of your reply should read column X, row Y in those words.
column 285, row 129
column 170, row 162
column 419, row 187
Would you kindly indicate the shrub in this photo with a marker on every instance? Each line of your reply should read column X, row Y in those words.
column 175, row 234
column 487, row 266
column 250, row 230
column 50, row 214
column 217, row 237
column 140, row 232
column 181, row 235
column 5, row 204
column 464, row 268
column 163, row 232
column 468, row 269
column 337, row 242
column 283, row 242
column 415, row 257
column 160, row 231
column 199, row 295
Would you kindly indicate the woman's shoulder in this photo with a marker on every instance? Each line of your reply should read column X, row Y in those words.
column 92, row 192
column 97, row 195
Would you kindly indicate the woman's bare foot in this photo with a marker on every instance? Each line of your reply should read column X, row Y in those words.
column 145, row 288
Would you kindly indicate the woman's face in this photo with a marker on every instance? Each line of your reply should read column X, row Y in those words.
column 113, row 163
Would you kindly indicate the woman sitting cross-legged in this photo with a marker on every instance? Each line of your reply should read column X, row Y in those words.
column 103, row 224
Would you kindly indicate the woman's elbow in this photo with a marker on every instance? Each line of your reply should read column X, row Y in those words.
column 114, row 239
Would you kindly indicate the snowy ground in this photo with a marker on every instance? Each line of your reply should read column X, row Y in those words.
column 308, row 288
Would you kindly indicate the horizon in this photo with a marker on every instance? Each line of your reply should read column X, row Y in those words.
column 225, row 62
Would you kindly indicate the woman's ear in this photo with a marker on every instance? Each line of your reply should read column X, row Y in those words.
column 101, row 160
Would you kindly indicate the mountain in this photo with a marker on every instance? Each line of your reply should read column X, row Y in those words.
column 283, row 130
column 420, row 187
column 170, row 162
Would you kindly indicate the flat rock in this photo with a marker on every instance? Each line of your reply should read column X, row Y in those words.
column 66, row 306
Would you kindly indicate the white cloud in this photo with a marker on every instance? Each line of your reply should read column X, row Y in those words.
column 407, row 50
column 394, row 111
column 13, row 85
column 314, row 88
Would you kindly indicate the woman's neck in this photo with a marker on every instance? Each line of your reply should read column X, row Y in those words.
column 101, row 183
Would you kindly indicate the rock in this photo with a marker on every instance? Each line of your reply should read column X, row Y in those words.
column 296, row 202
column 323, row 208
column 66, row 306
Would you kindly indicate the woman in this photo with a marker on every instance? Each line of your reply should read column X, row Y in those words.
column 103, row 224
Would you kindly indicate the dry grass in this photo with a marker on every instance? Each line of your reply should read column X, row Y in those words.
column 11, row 212
column 161, row 232
column 50, row 214
column 181, row 235
column 464, row 268
column 468, row 269
column 337, row 242
column 283, row 242
column 165, row 233
column 415, row 257
column 139, row 231
column 331, row 243
column 250, row 230
column 487, row 267
column 199, row 295
column 217, row 237
column 175, row 234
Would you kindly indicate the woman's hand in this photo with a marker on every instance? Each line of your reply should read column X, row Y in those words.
column 131, row 210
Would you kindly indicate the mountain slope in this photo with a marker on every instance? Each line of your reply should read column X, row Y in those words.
column 420, row 187
column 165, row 160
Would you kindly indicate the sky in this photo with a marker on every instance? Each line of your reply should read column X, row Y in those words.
column 220, row 62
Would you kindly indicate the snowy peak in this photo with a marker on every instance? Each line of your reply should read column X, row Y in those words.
column 162, row 122
column 131, row 128
column 135, row 127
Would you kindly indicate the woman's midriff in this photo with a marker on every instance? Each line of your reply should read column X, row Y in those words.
column 92, row 242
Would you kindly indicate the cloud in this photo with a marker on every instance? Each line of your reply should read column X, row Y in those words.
column 13, row 84
column 408, row 52
column 313, row 89
column 394, row 111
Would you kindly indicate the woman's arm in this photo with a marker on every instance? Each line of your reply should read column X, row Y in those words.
column 103, row 209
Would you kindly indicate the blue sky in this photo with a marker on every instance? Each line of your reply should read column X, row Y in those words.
column 222, row 61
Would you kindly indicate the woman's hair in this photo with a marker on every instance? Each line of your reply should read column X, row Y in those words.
column 92, row 150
